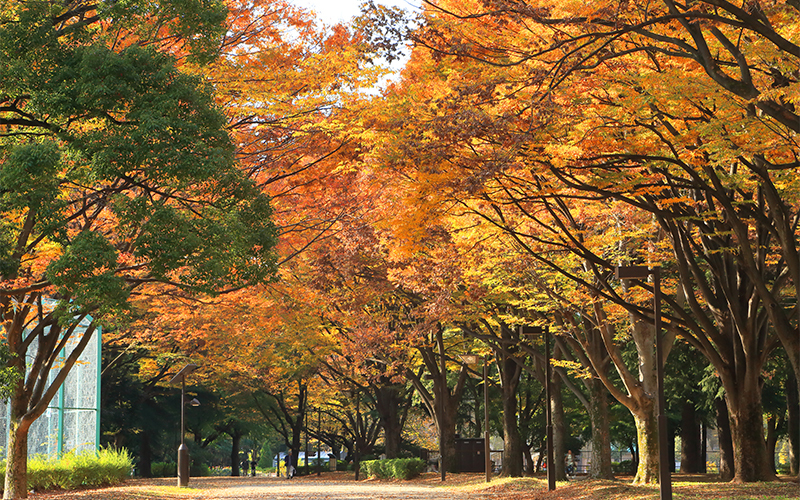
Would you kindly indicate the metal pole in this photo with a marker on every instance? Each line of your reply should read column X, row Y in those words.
column 442, row 464
column 551, row 464
column 308, row 471
column 665, row 477
column 319, row 435
column 355, row 438
column 183, row 451
column 487, row 450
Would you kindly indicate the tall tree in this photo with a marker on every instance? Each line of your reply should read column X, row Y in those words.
column 116, row 171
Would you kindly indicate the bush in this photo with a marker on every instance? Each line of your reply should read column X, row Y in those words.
column 72, row 471
column 373, row 468
column 164, row 469
column 198, row 470
column 406, row 468
column 624, row 467
column 398, row 468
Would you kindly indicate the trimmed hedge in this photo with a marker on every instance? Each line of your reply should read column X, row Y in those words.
column 170, row 469
column 71, row 471
column 398, row 468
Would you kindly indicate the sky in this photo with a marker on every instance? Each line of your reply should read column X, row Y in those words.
column 334, row 11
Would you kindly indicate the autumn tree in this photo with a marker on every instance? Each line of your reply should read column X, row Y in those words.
column 116, row 172
column 626, row 105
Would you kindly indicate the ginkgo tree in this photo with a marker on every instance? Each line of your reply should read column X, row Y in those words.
column 115, row 171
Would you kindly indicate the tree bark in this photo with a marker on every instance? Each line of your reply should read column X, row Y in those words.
column 510, row 372
column 793, row 402
column 773, row 423
column 236, row 439
column 750, row 459
column 690, row 439
column 390, row 401
column 559, row 429
column 600, row 461
column 145, row 455
column 16, row 481
column 647, row 443
column 725, row 441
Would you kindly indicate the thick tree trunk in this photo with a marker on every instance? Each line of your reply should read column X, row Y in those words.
column 449, row 444
column 750, row 459
column 236, row 440
column 690, row 439
column 725, row 441
column 773, row 423
column 390, row 403
column 512, row 442
column 647, row 443
column 600, row 461
column 559, row 429
column 145, row 455
column 16, row 481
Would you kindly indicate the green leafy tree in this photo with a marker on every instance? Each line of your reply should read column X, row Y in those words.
column 116, row 173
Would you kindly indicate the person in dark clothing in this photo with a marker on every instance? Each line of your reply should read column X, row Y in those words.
column 289, row 466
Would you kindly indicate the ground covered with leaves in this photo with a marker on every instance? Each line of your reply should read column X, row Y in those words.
column 342, row 486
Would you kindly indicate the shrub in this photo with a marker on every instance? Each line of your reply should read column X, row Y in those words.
column 624, row 467
column 198, row 470
column 164, row 469
column 398, row 468
column 72, row 471
column 405, row 468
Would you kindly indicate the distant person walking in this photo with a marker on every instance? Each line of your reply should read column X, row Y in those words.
column 289, row 466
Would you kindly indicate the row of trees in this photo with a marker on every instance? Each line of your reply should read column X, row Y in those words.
column 299, row 236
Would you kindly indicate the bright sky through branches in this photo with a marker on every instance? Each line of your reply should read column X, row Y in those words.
column 334, row 11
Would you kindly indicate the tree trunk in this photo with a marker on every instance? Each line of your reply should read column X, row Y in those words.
column 703, row 448
column 16, row 482
column 559, row 429
column 725, row 441
column 449, row 438
column 389, row 401
column 600, row 461
column 145, row 455
column 792, row 401
column 671, row 447
column 647, row 443
column 236, row 439
column 530, row 467
column 512, row 457
column 750, row 459
column 690, row 439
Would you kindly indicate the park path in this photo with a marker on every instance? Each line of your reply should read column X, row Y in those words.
column 266, row 488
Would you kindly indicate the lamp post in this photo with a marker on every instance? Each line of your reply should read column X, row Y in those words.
column 443, row 369
column 529, row 331
column 319, row 436
column 183, row 450
column 642, row 272
column 472, row 359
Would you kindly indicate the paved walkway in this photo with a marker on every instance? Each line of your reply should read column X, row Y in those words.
column 266, row 488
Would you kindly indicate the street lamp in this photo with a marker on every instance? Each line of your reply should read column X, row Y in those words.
column 642, row 272
column 183, row 450
column 472, row 359
column 530, row 331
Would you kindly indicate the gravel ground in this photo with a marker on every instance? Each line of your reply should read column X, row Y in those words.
column 263, row 488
